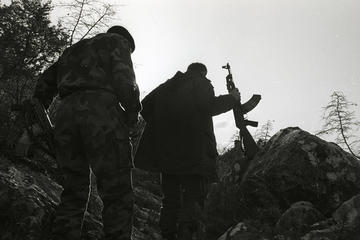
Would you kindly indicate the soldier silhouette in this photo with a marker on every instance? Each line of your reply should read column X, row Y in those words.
column 91, row 129
column 179, row 142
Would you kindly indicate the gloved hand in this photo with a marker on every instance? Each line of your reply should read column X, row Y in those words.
column 236, row 94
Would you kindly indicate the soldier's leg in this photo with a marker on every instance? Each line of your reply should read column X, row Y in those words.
column 117, row 194
column 191, row 215
column 107, row 147
column 170, row 205
column 114, row 182
column 69, row 215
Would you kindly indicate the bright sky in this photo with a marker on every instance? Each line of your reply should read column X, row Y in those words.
column 294, row 53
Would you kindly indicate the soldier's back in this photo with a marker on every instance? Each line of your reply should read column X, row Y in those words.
column 87, row 65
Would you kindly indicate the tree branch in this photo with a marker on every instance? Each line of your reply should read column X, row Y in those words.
column 93, row 25
column 77, row 21
column 342, row 131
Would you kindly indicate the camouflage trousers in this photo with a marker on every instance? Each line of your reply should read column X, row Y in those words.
column 89, row 132
column 182, row 214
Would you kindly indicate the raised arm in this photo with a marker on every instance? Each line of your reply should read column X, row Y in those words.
column 210, row 104
column 123, row 76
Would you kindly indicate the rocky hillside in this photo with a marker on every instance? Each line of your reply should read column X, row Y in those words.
column 298, row 187
column 29, row 196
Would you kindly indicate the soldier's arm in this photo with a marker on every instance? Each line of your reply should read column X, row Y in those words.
column 46, row 87
column 209, row 103
column 124, row 82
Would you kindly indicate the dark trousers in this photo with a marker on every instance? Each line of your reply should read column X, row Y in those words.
column 89, row 132
column 183, row 203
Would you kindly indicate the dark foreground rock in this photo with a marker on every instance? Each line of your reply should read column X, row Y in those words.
column 299, row 217
column 27, row 201
column 344, row 224
column 297, row 166
column 348, row 214
column 29, row 196
column 147, row 205
column 298, row 187
column 294, row 166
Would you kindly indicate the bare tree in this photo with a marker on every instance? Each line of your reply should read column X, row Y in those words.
column 264, row 133
column 86, row 18
column 341, row 121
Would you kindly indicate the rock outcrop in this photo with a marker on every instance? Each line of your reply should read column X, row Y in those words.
column 344, row 224
column 299, row 217
column 27, row 201
column 298, row 186
column 348, row 214
column 298, row 166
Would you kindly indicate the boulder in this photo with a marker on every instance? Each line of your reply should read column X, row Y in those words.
column 27, row 203
column 298, row 166
column 348, row 214
column 325, row 234
column 344, row 223
column 329, row 229
column 147, row 205
column 294, row 181
column 241, row 231
column 299, row 217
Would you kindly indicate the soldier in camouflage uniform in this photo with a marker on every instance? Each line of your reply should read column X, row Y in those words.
column 92, row 129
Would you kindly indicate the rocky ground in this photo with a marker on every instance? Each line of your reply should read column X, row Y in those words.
column 28, row 198
column 298, row 187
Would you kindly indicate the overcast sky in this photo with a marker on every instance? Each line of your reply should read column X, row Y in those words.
column 294, row 53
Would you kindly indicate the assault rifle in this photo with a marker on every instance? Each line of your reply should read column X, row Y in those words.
column 246, row 140
column 37, row 124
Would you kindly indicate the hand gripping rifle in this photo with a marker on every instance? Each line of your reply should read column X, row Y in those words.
column 246, row 140
column 38, row 125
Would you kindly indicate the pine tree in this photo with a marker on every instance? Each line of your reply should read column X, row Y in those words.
column 28, row 44
column 340, row 120
column 264, row 133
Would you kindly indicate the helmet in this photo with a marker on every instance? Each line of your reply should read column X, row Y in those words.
column 125, row 33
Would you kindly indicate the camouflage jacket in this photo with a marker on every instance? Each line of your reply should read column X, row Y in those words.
column 99, row 63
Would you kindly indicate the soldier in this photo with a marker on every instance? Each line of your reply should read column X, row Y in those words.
column 92, row 129
column 179, row 142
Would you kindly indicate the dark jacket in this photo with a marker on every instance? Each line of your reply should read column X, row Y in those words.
column 179, row 136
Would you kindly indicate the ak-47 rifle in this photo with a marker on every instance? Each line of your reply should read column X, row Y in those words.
column 246, row 140
column 37, row 124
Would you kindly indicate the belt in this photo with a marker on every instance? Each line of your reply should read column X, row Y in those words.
column 70, row 91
